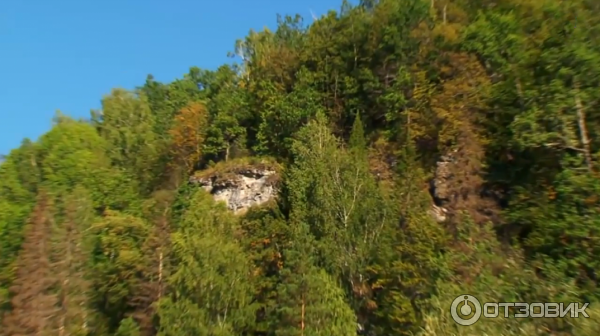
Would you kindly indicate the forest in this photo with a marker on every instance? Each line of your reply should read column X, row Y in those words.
column 102, row 233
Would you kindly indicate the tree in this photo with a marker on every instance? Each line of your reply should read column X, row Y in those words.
column 72, row 153
column 154, row 267
column 158, row 101
column 33, row 304
column 284, row 114
column 265, row 233
column 228, row 104
column 188, row 134
column 218, row 302
column 381, row 114
column 406, row 265
column 333, row 191
column 70, row 262
column 309, row 301
column 118, row 259
column 19, row 180
column 127, row 124
column 357, row 140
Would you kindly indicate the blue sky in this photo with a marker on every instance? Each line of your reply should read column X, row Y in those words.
column 66, row 54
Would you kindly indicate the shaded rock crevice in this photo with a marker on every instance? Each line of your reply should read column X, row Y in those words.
column 458, row 185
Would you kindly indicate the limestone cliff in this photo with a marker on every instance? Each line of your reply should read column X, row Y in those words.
column 243, row 185
column 240, row 186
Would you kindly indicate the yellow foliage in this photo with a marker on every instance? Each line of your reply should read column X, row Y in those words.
column 188, row 134
column 592, row 200
column 419, row 118
column 461, row 98
column 551, row 193
column 450, row 32
column 371, row 305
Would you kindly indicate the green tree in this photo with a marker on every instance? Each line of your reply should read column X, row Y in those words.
column 118, row 258
column 33, row 304
column 70, row 259
column 220, row 301
column 406, row 266
column 127, row 125
column 155, row 265
column 309, row 301
column 335, row 194
column 128, row 327
column 16, row 203
column 229, row 110
column 266, row 233
column 72, row 153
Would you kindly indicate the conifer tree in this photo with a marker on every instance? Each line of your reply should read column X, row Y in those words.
column 309, row 301
column 495, row 101
column 118, row 258
column 357, row 140
column 211, row 294
column 154, row 266
column 406, row 265
column 33, row 304
column 70, row 262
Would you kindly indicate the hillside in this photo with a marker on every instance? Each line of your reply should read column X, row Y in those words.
column 351, row 176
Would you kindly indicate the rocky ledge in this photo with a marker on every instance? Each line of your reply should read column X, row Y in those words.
column 240, row 187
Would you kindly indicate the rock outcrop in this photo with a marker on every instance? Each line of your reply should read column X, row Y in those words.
column 442, row 178
column 440, row 188
column 240, row 187
column 440, row 214
column 458, row 186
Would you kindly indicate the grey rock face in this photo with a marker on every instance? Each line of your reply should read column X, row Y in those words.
column 240, row 189
column 439, row 187
column 442, row 176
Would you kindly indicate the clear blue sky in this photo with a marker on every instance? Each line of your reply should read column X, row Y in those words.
column 66, row 54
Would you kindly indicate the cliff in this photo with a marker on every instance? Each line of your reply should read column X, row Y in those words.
column 240, row 185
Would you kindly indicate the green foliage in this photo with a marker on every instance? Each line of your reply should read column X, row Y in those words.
column 266, row 234
column 422, row 149
column 16, row 202
column 117, row 257
column 308, row 299
column 229, row 110
column 220, row 300
column 128, row 327
column 127, row 126
column 407, row 263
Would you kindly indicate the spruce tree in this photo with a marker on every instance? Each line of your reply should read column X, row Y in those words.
column 309, row 301
column 70, row 262
column 33, row 303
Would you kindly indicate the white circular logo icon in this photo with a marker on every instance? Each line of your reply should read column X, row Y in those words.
column 463, row 306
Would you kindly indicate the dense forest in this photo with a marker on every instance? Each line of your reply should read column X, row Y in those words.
column 102, row 233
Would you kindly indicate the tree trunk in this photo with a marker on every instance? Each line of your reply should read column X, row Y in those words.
column 445, row 6
column 302, row 321
column 583, row 133
column 160, row 274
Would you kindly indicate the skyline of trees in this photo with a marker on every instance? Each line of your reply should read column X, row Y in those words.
column 100, row 233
